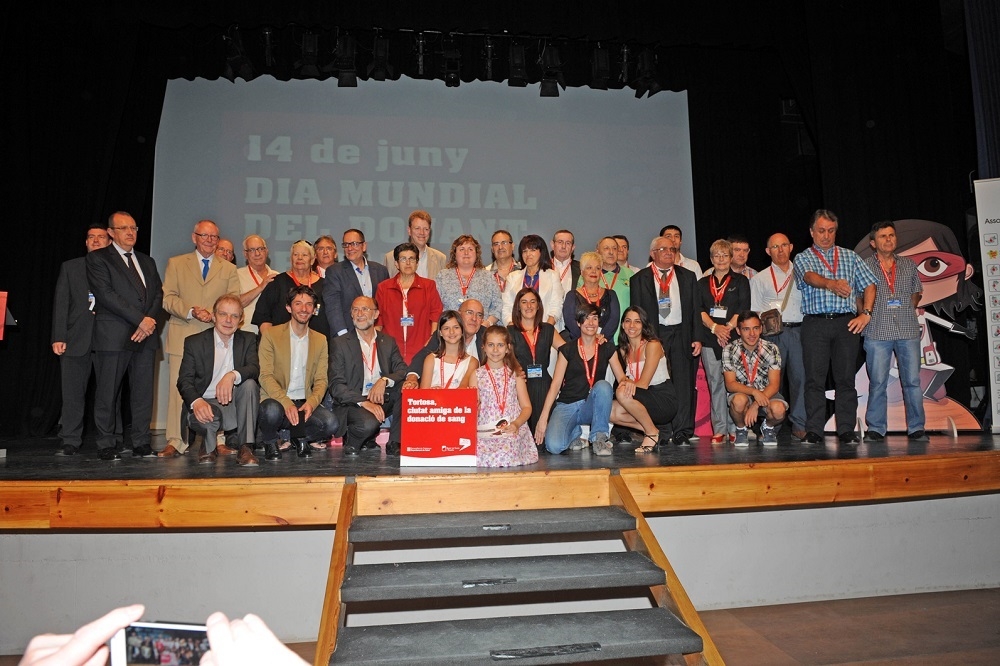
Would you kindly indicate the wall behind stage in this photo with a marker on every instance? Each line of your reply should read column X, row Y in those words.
column 56, row 581
column 297, row 159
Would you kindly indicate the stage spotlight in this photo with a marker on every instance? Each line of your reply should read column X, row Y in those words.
column 518, row 75
column 600, row 69
column 347, row 75
column 452, row 67
column 380, row 69
column 237, row 62
column 645, row 75
column 308, row 65
column 552, row 76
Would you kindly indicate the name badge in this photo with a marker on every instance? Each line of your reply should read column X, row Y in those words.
column 534, row 371
column 894, row 303
column 775, row 305
column 663, row 305
column 316, row 311
column 718, row 312
column 368, row 387
column 91, row 300
column 406, row 321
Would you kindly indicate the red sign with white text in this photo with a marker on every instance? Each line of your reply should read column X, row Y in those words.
column 439, row 427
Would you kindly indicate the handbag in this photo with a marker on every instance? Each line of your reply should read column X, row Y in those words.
column 770, row 320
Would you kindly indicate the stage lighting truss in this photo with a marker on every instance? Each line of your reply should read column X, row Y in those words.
column 552, row 75
column 646, row 75
column 238, row 65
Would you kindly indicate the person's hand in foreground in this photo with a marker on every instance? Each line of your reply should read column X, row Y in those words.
column 86, row 647
column 246, row 642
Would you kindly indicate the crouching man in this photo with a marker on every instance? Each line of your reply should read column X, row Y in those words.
column 218, row 381
column 752, row 370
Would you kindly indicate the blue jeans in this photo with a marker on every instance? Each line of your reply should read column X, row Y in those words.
column 565, row 419
column 789, row 343
column 879, row 362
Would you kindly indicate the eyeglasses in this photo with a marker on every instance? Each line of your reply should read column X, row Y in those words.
column 364, row 309
column 722, row 256
column 132, row 228
column 349, row 244
column 209, row 237
column 254, row 250
column 327, row 248
column 406, row 260
column 657, row 250
column 473, row 313
column 780, row 246
column 501, row 243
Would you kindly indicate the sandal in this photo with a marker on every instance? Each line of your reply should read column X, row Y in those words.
column 644, row 448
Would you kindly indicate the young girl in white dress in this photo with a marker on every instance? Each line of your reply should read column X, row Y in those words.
column 504, row 407
column 450, row 366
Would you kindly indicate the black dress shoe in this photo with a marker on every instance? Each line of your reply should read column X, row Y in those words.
column 848, row 438
column 872, row 436
column 351, row 449
column 918, row 436
column 813, row 438
column 271, row 452
column 302, row 448
column 67, row 450
column 392, row 449
column 110, row 454
column 680, row 440
column 370, row 445
column 143, row 452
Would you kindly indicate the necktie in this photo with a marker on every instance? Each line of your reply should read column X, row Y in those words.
column 135, row 272
column 204, row 268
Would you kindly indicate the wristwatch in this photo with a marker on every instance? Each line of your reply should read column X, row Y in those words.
column 867, row 312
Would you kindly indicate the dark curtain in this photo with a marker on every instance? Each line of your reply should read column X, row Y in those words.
column 983, row 24
column 883, row 123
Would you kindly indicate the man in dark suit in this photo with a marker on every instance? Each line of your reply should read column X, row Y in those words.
column 668, row 297
column 348, row 279
column 472, row 313
column 563, row 263
column 366, row 373
column 128, row 294
column 72, row 332
column 218, row 382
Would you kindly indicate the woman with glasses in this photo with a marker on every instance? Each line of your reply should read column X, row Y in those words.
column 537, row 274
column 722, row 296
column 464, row 277
column 534, row 340
column 409, row 305
column 593, row 292
column 271, row 310
column 502, row 246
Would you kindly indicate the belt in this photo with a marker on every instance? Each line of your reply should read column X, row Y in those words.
column 830, row 315
column 790, row 324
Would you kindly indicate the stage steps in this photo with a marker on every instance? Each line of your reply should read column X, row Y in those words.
column 598, row 579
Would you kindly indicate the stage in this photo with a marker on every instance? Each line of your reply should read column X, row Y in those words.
column 41, row 491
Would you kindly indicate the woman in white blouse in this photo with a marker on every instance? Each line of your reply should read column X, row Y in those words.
column 537, row 274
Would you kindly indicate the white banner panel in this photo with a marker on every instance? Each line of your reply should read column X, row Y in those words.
column 988, row 209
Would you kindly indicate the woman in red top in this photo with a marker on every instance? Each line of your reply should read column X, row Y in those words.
column 409, row 305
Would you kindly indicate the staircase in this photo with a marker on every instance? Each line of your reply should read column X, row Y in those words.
column 598, row 580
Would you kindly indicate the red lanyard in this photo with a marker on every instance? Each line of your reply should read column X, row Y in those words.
column 501, row 282
column 597, row 299
column 464, row 286
column 720, row 291
column 370, row 367
column 591, row 371
column 637, row 357
column 404, row 293
column 296, row 280
column 777, row 289
column 447, row 384
column 665, row 281
column 751, row 376
column 501, row 399
column 254, row 276
column 562, row 273
column 613, row 280
column 531, row 341
column 891, row 279
column 836, row 256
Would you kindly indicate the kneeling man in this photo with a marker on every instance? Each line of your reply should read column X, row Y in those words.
column 293, row 379
column 366, row 377
column 752, row 369
column 218, row 381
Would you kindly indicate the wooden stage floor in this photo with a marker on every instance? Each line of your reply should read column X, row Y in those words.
column 39, row 490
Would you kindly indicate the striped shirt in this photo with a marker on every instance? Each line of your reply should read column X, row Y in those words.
column 763, row 358
column 848, row 266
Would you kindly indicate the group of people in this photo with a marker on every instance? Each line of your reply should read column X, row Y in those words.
column 559, row 349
